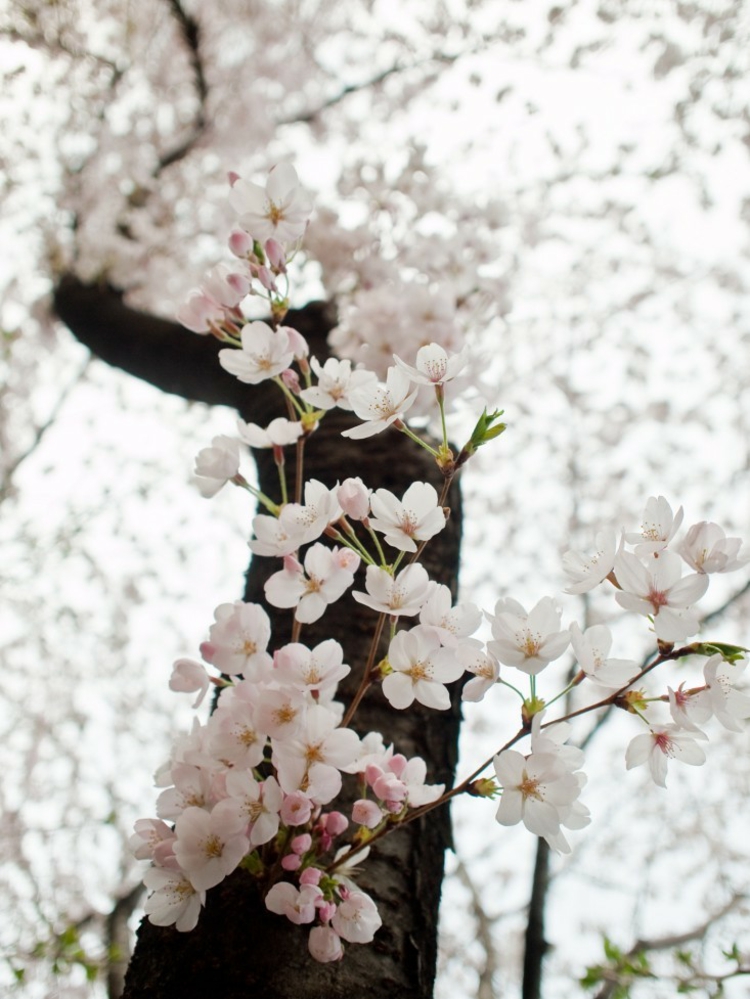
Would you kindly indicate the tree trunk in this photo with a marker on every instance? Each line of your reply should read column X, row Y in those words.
column 239, row 949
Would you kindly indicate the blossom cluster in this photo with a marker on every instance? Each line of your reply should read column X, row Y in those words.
column 258, row 785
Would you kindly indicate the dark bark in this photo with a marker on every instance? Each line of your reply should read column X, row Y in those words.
column 535, row 944
column 239, row 949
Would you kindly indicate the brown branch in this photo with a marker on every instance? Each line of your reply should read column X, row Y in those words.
column 190, row 34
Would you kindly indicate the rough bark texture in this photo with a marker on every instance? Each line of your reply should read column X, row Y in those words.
column 239, row 950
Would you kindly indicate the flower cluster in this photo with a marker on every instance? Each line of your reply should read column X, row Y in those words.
column 258, row 784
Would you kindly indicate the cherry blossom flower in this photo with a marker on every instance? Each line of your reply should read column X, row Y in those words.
column 730, row 706
column 324, row 944
column 417, row 517
column 354, row 498
column 306, row 670
column 380, row 404
column 199, row 312
column 276, row 537
column 216, row 465
column 265, row 354
column 484, row 666
column 208, row 847
column 323, row 744
column 434, row 365
column 148, row 834
column 335, row 381
column 660, row 591
column 357, row 919
column 193, row 788
column 658, row 527
column 298, row 905
column 328, row 573
column 173, row 899
column 449, row 622
column 537, row 790
column 592, row 649
column 421, row 668
column 239, row 639
column 279, row 433
column 587, row 571
column 190, row 677
column 280, row 712
column 662, row 743
column 235, row 737
column 707, row 549
column 279, row 211
column 225, row 285
column 528, row 641
column 403, row 595
column 253, row 804
column 308, row 521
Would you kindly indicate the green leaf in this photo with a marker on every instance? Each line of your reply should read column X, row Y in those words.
column 731, row 653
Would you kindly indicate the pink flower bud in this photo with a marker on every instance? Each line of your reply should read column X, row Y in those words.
column 366, row 813
column 291, row 862
column 324, row 944
column 336, row 822
column 232, row 177
column 189, row 677
column 326, row 910
column 265, row 277
column 296, row 341
column 301, row 844
column 311, row 876
column 354, row 498
column 208, row 651
column 276, row 255
column 291, row 380
column 240, row 243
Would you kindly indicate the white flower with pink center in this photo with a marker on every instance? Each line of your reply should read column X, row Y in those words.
column 380, row 404
column 485, row 667
column 199, row 312
column 239, row 639
column 538, row 790
column 435, row 366
column 528, row 641
column 275, row 537
column 327, row 574
column 298, row 905
column 661, row 744
column 310, row 520
column 660, row 591
column 357, row 919
column 402, row 595
column 591, row 649
column 235, row 736
column 587, row 571
column 335, row 381
column 216, row 465
column 416, row 517
column 279, row 211
column 208, row 847
column 421, row 668
column 322, row 743
column 658, row 527
column 173, row 899
column 306, row 669
column 279, row 433
column 251, row 804
column 450, row 623
column 148, row 834
column 265, row 354
column 706, row 548
column 730, row 706
column 190, row 677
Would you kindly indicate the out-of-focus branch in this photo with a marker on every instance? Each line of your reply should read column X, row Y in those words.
column 486, row 987
column 190, row 33
column 6, row 482
column 672, row 941
column 305, row 117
